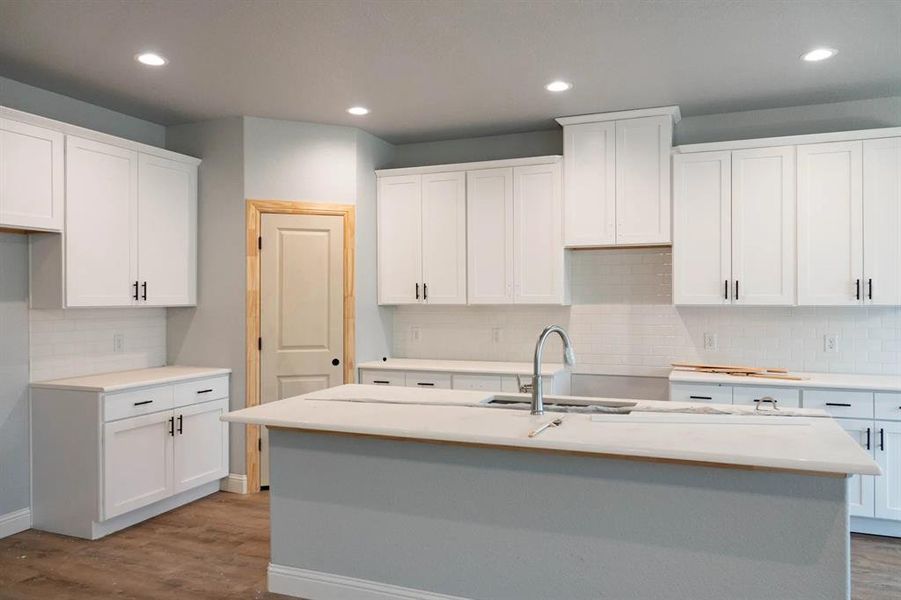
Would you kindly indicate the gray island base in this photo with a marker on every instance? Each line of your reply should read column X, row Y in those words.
column 368, row 518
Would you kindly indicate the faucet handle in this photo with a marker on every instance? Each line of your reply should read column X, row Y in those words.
column 524, row 388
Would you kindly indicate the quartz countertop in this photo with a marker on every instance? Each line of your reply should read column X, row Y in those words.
column 811, row 443
column 122, row 380
column 460, row 366
column 876, row 383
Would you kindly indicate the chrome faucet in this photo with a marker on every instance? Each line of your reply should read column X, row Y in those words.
column 569, row 359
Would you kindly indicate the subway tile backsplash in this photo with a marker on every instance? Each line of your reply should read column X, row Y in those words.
column 622, row 321
column 73, row 342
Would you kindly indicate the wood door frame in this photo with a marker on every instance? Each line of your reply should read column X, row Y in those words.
column 254, row 211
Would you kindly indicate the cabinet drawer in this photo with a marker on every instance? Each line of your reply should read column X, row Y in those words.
column 841, row 403
column 888, row 406
column 488, row 383
column 428, row 380
column 707, row 393
column 201, row 390
column 751, row 395
column 121, row 405
column 382, row 377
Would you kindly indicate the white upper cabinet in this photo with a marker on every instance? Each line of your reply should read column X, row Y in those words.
column 101, row 224
column 590, row 184
column 444, row 238
column 489, row 233
column 617, row 177
column 702, row 228
column 400, row 239
column 538, row 256
column 830, row 223
column 167, row 231
column 31, row 177
column 763, row 226
column 882, row 221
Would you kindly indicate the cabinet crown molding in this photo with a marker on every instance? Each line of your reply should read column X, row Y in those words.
column 471, row 166
column 660, row 111
column 790, row 140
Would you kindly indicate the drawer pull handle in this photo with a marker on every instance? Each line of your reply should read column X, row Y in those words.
column 205, row 391
column 424, row 384
column 181, row 422
column 868, row 438
column 381, row 381
column 838, row 404
column 764, row 400
column 172, row 426
column 701, row 397
column 143, row 402
column 882, row 439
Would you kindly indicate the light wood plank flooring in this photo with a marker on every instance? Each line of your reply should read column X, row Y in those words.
column 218, row 548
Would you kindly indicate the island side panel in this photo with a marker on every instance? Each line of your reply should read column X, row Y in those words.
column 494, row 524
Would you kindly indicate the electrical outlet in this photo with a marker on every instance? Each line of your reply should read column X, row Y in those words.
column 118, row 343
column 496, row 335
column 710, row 342
column 830, row 343
column 415, row 335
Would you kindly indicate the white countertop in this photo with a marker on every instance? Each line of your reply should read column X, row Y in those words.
column 812, row 444
column 460, row 366
column 876, row 383
column 122, row 380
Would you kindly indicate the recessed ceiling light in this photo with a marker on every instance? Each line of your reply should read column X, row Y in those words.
column 151, row 59
column 818, row 54
column 558, row 86
column 358, row 110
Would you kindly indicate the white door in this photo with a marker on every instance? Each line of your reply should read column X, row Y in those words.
column 763, row 226
column 201, row 450
column 538, row 260
column 489, row 231
column 444, row 238
column 167, row 231
column 589, row 180
column 31, row 176
column 101, row 224
column 400, row 239
column 888, row 455
column 702, row 228
column 137, row 462
column 861, row 488
column 301, row 308
column 643, row 180
column 882, row 221
column 830, row 213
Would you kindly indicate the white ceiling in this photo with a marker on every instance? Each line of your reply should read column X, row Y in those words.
column 441, row 69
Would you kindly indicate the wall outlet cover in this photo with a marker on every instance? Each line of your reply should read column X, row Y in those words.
column 830, row 343
column 710, row 342
column 496, row 335
column 415, row 334
column 118, row 342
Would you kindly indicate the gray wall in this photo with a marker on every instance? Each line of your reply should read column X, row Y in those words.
column 212, row 333
column 494, row 147
column 69, row 110
column 14, row 454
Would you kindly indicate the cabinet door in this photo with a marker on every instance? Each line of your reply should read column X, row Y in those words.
column 763, row 226
column 830, row 212
column 489, row 232
column 643, row 180
column 882, row 221
column 887, row 443
column 101, row 224
column 444, row 238
column 201, row 444
column 137, row 462
column 167, row 231
column 589, row 179
column 538, row 260
column 31, row 177
column 702, row 253
column 400, row 239
column 861, row 488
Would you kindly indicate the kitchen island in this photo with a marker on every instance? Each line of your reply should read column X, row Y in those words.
column 384, row 492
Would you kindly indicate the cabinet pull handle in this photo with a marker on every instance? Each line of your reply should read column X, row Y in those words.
column 857, row 289
column 868, row 438
column 207, row 391
column 424, row 384
column 882, row 439
column 736, row 289
column 136, row 290
column 172, row 426
column 381, row 381
column 181, row 423
column 870, row 288
column 701, row 397
column 143, row 402
column 144, row 291
column 425, row 292
column 726, row 289
column 837, row 404
column 765, row 399
column 417, row 291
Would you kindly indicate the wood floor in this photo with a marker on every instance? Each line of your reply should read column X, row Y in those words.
column 218, row 548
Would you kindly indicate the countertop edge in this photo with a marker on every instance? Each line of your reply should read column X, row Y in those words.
column 812, row 383
column 208, row 372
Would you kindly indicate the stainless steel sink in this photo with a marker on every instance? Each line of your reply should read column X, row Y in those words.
column 560, row 404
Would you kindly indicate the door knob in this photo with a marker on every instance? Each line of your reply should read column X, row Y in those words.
column 336, row 362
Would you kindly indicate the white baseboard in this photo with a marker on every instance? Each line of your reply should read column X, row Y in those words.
column 316, row 585
column 234, row 483
column 14, row 522
column 876, row 526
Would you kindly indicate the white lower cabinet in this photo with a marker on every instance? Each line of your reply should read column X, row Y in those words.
column 200, row 444
column 756, row 395
column 861, row 488
column 887, row 445
column 558, row 383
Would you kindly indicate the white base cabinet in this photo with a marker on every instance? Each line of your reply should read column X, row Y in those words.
column 558, row 383
column 100, row 459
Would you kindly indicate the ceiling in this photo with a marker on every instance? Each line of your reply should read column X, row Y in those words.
column 441, row 69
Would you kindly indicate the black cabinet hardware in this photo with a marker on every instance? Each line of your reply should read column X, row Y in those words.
column 136, row 290
column 144, row 291
column 701, row 397
column 260, row 343
column 882, row 439
column 736, row 289
column 381, row 381
column 726, row 289
column 143, row 402
column 425, row 292
column 336, row 362
column 837, row 404
column 424, row 384
column 181, row 422
column 417, row 291
column 870, row 288
column 857, row 289
column 868, row 438
column 206, row 391
column 172, row 426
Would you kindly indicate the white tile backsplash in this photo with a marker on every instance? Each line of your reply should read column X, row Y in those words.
column 622, row 321
column 68, row 343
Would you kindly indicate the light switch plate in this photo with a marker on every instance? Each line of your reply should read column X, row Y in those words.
column 118, row 342
column 830, row 343
column 415, row 334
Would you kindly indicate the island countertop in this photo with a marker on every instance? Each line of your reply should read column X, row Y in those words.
column 811, row 443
